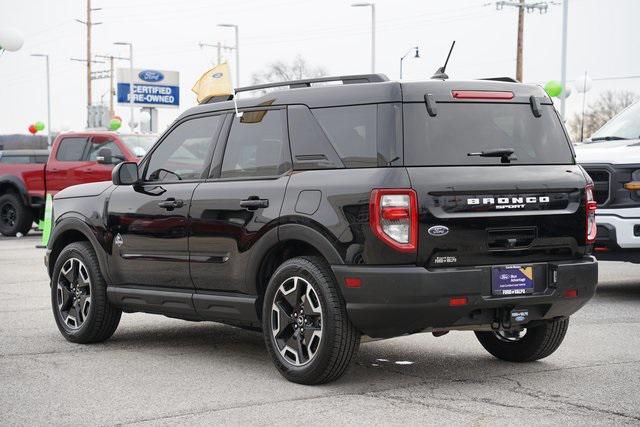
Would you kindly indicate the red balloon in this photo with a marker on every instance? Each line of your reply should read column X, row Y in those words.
column 32, row 129
column 117, row 118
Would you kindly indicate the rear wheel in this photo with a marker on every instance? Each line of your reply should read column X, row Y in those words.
column 525, row 345
column 79, row 296
column 305, row 323
column 15, row 217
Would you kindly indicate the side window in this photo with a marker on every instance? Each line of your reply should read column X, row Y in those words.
column 257, row 145
column 183, row 153
column 71, row 149
column 352, row 131
column 310, row 146
column 98, row 144
column 15, row 159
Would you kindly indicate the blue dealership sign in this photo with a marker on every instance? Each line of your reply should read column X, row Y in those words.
column 152, row 88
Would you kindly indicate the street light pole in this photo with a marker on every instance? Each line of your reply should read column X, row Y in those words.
column 237, row 47
column 132, row 123
column 407, row 53
column 373, row 32
column 563, row 60
column 46, row 57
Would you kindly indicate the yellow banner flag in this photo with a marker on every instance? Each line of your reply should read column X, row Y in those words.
column 214, row 82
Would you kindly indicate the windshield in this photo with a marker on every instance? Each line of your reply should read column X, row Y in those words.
column 138, row 144
column 460, row 132
column 625, row 125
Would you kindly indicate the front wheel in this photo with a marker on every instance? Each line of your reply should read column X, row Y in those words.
column 526, row 345
column 305, row 323
column 79, row 296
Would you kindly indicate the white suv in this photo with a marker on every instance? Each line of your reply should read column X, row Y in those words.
column 612, row 158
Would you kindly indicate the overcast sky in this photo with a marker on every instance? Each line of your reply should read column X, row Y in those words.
column 603, row 39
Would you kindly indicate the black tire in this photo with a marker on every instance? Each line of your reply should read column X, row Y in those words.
column 339, row 340
column 537, row 343
column 102, row 318
column 15, row 217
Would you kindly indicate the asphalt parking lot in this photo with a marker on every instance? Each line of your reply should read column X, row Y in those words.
column 157, row 370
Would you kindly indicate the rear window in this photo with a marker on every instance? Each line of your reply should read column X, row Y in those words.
column 462, row 128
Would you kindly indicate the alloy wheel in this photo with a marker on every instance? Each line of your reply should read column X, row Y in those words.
column 510, row 336
column 296, row 321
column 73, row 295
column 8, row 214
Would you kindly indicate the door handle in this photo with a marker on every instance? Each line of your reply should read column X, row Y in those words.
column 253, row 203
column 171, row 204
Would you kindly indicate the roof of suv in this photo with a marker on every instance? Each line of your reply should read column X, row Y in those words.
column 380, row 91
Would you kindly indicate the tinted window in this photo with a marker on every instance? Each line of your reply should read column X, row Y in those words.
column 41, row 159
column 256, row 145
column 97, row 145
column 183, row 153
column 71, row 149
column 310, row 146
column 15, row 159
column 352, row 132
column 461, row 128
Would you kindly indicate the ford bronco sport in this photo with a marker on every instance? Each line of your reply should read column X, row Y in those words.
column 321, row 213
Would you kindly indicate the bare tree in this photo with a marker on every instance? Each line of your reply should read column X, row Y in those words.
column 602, row 110
column 279, row 71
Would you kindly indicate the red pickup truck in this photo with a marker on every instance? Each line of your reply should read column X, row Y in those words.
column 75, row 158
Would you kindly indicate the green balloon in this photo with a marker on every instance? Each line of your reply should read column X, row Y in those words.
column 115, row 124
column 553, row 88
column 39, row 126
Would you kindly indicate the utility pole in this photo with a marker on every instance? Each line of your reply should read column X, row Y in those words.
column 88, row 22
column 522, row 6
column 112, row 111
column 219, row 47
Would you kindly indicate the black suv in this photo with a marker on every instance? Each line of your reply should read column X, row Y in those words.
column 319, row 213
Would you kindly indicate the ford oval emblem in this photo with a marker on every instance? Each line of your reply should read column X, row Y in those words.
column 151, row 76
column 438, row 230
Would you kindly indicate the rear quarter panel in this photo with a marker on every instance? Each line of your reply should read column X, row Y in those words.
column 335, row 202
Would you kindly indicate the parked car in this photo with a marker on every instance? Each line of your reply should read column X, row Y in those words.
column 321, row 213
column 612, row 159
column 76, row 158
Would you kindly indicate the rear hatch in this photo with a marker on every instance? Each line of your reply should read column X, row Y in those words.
column 528, row 206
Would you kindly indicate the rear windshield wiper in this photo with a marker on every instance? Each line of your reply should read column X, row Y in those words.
column 504, row 154
column 608, row 138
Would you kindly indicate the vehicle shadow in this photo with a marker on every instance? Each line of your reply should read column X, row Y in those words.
column 378, row 364
column 619, row 290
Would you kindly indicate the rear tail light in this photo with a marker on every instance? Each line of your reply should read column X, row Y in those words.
column 393, row 216
column 592, row 229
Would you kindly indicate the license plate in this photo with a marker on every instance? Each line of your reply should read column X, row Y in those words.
column 512, row 280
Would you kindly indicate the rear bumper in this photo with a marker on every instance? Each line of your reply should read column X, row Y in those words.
column 396, row 300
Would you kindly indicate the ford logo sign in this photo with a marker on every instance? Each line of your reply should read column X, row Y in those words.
column 151, row 76
column 438, row 230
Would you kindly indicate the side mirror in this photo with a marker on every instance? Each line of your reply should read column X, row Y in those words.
column 104, row 156
column 126, row 173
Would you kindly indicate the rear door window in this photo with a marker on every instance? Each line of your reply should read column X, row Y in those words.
column 257, row 145
column 462, row 128
column 71, row 149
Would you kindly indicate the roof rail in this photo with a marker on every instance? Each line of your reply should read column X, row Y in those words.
column 295, row 84
column 501, row 79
